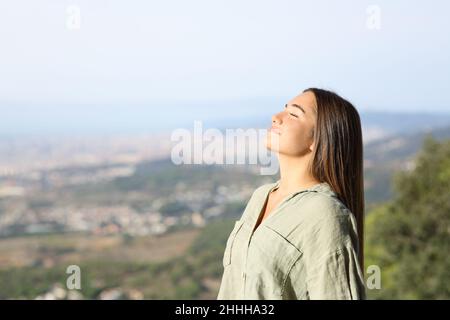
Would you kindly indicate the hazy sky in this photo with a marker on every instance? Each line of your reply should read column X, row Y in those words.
column 169, row 60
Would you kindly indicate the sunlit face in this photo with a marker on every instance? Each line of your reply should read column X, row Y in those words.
column 292, row 128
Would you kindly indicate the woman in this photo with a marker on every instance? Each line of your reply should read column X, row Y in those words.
column 302, row 236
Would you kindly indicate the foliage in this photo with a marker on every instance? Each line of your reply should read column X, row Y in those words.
column 409, row 237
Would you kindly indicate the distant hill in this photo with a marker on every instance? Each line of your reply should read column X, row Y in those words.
column 395, row 152
column 398, row 122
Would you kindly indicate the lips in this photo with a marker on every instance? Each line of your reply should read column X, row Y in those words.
column 275, row 130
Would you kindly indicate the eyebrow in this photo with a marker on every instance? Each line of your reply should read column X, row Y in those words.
column 296, row 105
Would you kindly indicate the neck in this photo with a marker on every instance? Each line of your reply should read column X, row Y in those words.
column 294, row 174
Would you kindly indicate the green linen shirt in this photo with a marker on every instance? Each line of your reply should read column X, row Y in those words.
column 305, row 249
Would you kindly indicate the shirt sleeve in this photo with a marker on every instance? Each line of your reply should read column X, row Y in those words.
column 335, row 277
column 330, row 255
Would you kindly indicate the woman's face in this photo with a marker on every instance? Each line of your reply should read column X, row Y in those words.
column 292, row 128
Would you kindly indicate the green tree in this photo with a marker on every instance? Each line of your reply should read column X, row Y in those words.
column 409, row 237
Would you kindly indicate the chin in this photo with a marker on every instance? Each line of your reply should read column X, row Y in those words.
column 270, row 148
column 272, row 145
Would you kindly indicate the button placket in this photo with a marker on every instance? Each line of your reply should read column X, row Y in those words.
column 280, row 206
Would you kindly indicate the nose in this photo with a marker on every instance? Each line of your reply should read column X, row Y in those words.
column 276, row 119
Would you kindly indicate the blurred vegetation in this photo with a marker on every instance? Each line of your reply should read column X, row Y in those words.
column 174, row 208
column 409, row 237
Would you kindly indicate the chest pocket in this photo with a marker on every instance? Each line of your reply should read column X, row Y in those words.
column 271, row 260
column 231, row 241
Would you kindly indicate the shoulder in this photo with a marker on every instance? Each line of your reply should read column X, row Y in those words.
column 324, row 220
column 320, row 202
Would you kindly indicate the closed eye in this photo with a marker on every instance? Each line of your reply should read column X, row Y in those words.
column 292, row 114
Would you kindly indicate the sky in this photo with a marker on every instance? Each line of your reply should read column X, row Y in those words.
column 97, row 64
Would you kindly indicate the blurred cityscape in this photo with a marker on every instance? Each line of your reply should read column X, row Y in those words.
column 46, row 194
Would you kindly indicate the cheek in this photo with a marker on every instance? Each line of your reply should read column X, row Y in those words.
column 295, row 134
column 296, row 139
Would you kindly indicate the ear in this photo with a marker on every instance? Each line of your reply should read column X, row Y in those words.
column 312, row 145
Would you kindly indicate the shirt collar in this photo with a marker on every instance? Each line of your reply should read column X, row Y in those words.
column 322, row 187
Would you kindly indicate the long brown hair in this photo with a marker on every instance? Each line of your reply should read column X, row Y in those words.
column 338, row 154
